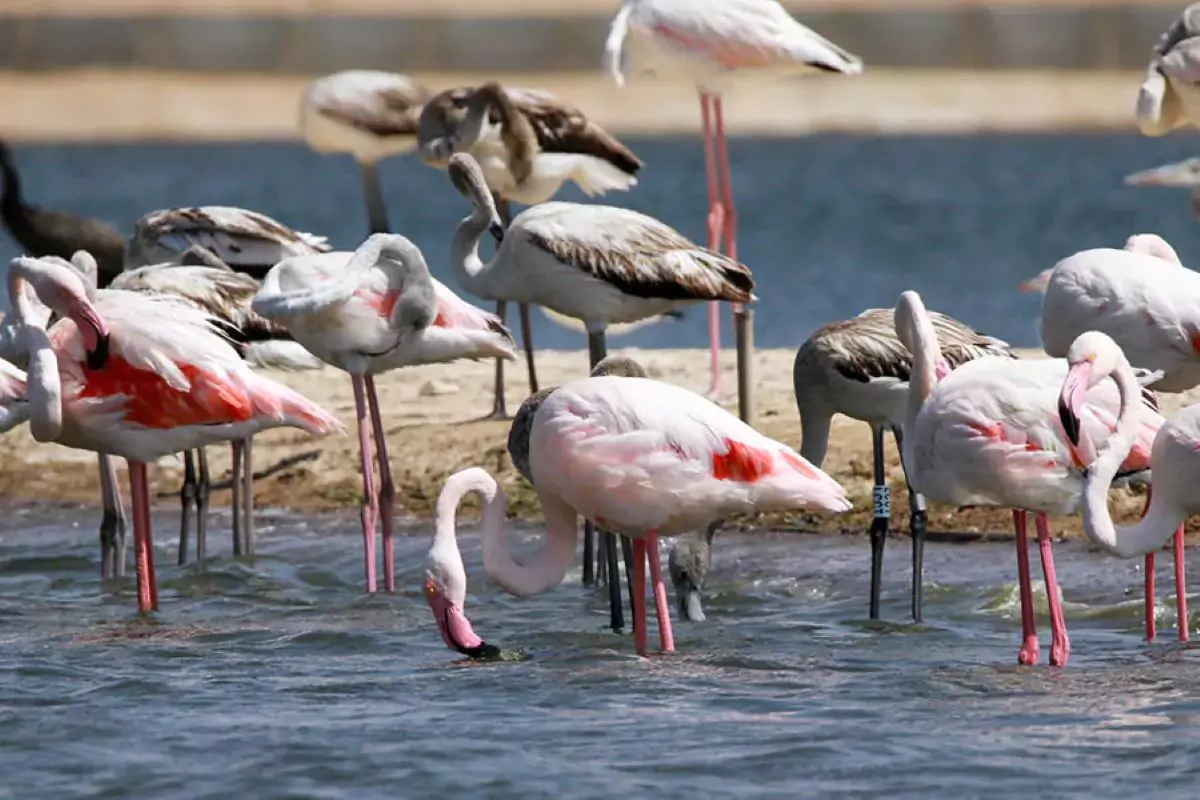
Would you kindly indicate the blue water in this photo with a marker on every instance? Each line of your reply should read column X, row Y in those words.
column 277, row 678
column 830, row 224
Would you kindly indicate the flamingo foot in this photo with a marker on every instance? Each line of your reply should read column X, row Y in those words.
column 1028, row 655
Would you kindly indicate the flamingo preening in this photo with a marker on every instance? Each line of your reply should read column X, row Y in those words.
column 1170, row 94
column 714, row 44
column 637, row 457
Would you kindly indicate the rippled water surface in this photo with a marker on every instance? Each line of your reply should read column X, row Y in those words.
column 277, row 677
column 830, row 224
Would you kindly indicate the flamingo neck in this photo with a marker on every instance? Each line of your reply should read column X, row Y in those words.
column 1161, row 518
column 814, row 435
column 923, row 377
column 11, row 202
column 470, row 271
column 554, row 558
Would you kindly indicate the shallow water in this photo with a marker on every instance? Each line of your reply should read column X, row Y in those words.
column 279, row 678
column 829, row 224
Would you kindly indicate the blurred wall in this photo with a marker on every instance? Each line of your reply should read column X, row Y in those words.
column 1104, row 35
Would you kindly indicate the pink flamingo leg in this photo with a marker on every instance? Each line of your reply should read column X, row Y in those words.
column 639, row 595
column 387, row 489
column 666, row 637
column 1148, row 578
column 1180, row 587
column 370, row 500
column 1028, row 654
column 139, row 492
column 728, row 210
column 1060, row 645
column 716, row 216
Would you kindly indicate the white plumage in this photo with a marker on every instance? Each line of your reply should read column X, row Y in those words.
column 1170, row 95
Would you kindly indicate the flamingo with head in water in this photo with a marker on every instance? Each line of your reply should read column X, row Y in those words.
column 636, row 457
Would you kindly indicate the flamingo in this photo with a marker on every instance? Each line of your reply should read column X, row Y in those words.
column 688, row 564
column 635, row 456
column 140, row 376
column 45, row 232
column 988, row 433
column 599, row 264
column 1182, row 175
column 365, row 313
column 370, row 115
column 714, row 43
column 1170, row 95
column 528, row 143
column 246, row 241
column 1093, row 357
column 225, row 295
column 1150, row 244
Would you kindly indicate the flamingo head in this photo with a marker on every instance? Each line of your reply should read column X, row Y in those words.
column 688, row 564
column 64, row 291
column 1152, row 244
column 456, row 630
column 1092, row 357
column 468, row 178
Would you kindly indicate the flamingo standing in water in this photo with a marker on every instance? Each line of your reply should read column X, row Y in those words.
column 635, row 456
column 368, row 312
column 1173, row 458
column 1170, row 95
column 989, row 433
column 529, row 143
column 140, row 376
column 370, row 115
column 713, row 43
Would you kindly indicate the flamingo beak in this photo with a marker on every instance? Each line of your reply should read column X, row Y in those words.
column 452, row 623
column 688, row 596
column 1071, row 399
column 1037, row 283
column 92, row 329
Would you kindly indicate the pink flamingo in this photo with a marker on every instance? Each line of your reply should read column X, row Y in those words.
column 368, row 312
column 712, row 43
column 1173, row 459
column 989, row 433
column 140, row 377
column 636, row 457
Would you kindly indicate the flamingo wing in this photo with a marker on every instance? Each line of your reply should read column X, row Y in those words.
column 562, row 128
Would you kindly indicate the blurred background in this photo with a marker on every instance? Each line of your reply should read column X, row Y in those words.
column 983, row 142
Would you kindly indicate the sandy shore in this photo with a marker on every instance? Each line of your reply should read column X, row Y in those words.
column 70, row 105
column 432, row 415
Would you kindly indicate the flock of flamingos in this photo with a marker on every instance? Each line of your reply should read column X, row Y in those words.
column 147, row 346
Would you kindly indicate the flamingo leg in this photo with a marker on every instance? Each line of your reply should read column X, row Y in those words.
column 139, row 491
column 387, row 488
column 370, row 507
column 597, row 350
column 203, row 491
column 527, row 342
column 235, row 490
column 917, row 519
column 716, row 224
column 639, row 596
column 112, row 524
column 187, row 495
column 666, row 637
column 1148, row 578
column 627, row 556
column 373, row 194
column 879, row 523
column 1028, row 654
column 616, row 612
column 247, row 495
column 1060, row 645
column 1180, row 587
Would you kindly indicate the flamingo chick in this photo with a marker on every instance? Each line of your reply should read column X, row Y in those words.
column 1173, row 459
column 989, row 433
column 1170, row 95
column 141, row 376
column 1179, row 175
column 368, row 312
column 637, row 457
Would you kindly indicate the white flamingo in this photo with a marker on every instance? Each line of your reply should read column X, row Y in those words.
column 1179, row 175
column 1149, row 244
column 528, row 143
column 1173, row 460
column 1170, row 95
column 713, row 44
column 989, row 433
column 370, row 115
column 637, row 457
column 365, row 313
column 140, row 376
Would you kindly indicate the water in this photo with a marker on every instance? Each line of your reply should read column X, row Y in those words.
column 830, row 224
column 279, row 678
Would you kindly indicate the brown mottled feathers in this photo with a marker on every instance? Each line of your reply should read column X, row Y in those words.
column 391, row 112
column 645, row 258
column 866, row 346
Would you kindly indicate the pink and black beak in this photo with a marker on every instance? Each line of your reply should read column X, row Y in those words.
column 93, row 330
column 452, row 623
column 1072, row 397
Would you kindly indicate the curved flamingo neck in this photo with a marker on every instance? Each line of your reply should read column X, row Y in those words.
column 1161, row 518
column 925, row 352
column 553, row 559
column 470, row 271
